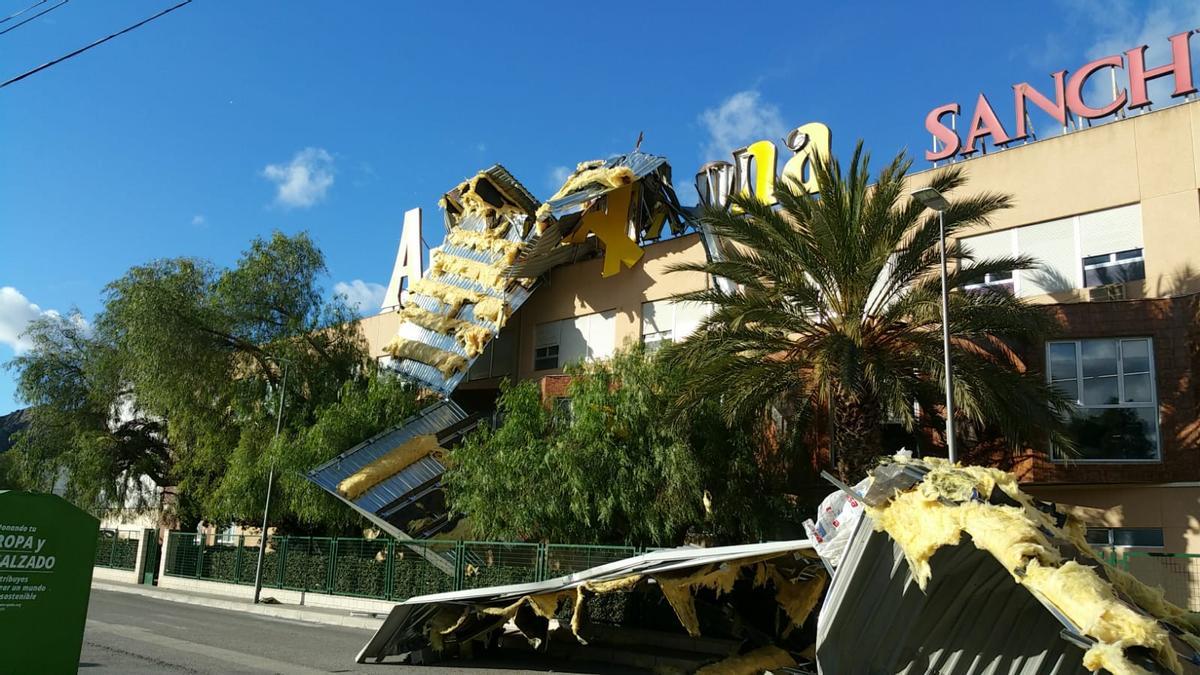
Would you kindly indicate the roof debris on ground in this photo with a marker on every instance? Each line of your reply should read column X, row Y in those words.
column 950, row 569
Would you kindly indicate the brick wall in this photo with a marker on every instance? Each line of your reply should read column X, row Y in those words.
column 1172, row 323
column 554, row 386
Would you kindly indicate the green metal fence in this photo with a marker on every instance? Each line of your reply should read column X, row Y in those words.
column 382, row 568
column 388, row 569
column 1178, row 574
column 117, row 549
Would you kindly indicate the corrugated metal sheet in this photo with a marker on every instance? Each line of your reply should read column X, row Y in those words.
column 432, row 420
column 972, row 619
column 545, row 251
column 640, row 163
column 405, row 624
column 515, row 294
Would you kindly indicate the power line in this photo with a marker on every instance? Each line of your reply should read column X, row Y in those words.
column 16, row 14
column 97, row 43
column 49, row 9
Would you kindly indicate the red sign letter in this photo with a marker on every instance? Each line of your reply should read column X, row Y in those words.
column 1180, row 65
column 949, row 139
column 1025, row 94
column 1079, row 79
column 985, row 123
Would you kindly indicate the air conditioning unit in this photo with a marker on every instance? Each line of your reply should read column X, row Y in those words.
column 1106, row 293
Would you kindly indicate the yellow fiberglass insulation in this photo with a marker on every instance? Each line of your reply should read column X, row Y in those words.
column 438, row 323
column 588, row 173
column 472, row 338
column 448, row 363
column 763, row 659
column 391, row 463
column 492, row 309
column 939, row 510
column 797, row 598
column 488, row 242
column 482, row 273
column 473, row 203
column 487, row 307
column 447, row 294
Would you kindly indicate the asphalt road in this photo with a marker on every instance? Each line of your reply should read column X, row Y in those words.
column 128, row 633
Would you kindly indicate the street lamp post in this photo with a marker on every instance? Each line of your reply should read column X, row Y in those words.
column 933, row 199
column 262, row 539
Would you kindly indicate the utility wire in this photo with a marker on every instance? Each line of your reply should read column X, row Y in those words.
column 51, row 8
column 97, row 43
column 16, row 14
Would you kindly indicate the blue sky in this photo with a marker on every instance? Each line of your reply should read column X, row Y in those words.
column 224, row 121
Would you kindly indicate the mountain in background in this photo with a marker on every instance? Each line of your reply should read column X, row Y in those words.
column 10, row 424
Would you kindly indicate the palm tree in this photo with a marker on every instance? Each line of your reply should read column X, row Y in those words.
column 836, row 310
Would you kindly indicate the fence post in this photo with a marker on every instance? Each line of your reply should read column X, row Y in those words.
column 389, row 570
column 460, row 553
column 331, row 568
column 237, row 559
column 281, row 556
column 541, row 566
column 112, row 549
column 199, row 555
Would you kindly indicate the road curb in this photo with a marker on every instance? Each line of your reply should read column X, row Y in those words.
column 276, row 611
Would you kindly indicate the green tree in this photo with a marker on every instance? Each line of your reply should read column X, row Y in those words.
column 836, row 310
column 610, row 466
column 179, row 379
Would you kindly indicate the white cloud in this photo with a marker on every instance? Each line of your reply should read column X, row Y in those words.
column 557, row 176
column 199, row 219
column 1127, row 24
column 363, row 295
column 740, row 119
column 303, row 181
column 16, row 312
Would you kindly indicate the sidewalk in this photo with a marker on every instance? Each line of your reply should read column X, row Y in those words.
column 320, row 615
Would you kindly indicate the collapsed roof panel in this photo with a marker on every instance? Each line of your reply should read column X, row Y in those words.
column 466, row 295
column 974, row 561
column 968, row 620
column 381, row 475
column 950, row 570
column 499, row 241
column 637, row 184
column 790, row 569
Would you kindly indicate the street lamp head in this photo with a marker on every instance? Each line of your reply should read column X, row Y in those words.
column 931, row 198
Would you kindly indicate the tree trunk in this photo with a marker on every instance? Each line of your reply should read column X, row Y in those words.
column 857, row 438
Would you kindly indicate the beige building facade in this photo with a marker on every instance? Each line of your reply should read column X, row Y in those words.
column 1113, row 213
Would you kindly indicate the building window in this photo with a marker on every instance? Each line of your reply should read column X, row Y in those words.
column 1114, row 268
column 1073, row 253
column 545, row 358
column 1112, row 383
column 1138, row 537
column 657, row 340
column 665, row 321
column 999, row 281
column 558, row 343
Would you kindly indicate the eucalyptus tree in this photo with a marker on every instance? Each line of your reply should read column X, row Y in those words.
column 834, row 310
column 179, row 377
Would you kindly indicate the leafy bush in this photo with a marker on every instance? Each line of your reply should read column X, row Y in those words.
column 413, row 575
column 117, row 553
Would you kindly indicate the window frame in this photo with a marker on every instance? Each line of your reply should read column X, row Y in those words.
column 992, row 280
column 547, row 355
column 1055, row 457
column 1113, row 261
column 1112, row 532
